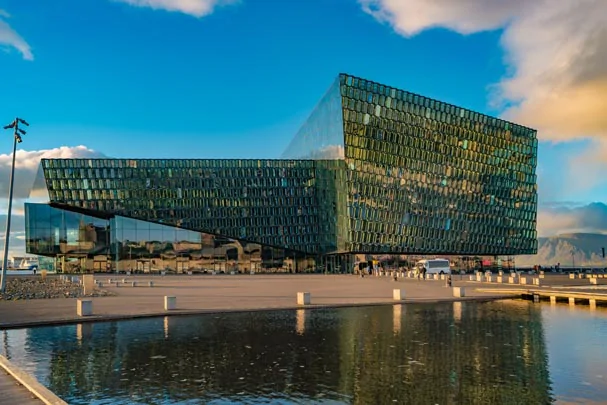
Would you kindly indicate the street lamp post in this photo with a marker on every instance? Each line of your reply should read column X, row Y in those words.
column 17, row 132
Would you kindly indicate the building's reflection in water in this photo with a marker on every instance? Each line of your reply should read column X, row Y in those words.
column 443, row 353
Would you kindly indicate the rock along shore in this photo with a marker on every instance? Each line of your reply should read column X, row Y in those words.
column 30, row 288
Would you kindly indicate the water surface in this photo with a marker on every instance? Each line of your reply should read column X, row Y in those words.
column 509, row 352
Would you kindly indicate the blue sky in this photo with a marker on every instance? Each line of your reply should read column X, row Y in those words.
column 131, row 80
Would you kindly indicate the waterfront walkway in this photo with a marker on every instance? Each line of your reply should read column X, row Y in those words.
column 207, row 293
column 14, row 393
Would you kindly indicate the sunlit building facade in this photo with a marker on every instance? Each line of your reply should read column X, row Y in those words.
column 374, row 170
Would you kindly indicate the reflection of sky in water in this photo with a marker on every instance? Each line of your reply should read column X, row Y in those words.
column 464, row 353
column 576, row 340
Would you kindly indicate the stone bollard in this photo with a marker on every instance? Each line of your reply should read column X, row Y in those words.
column 459, row 292
column 523, row 280
column 134, row 284
column 435, row 276
column 571, row 276
column 252, row 272
column 110, row 281
column 511, row 280
column 117, row 284
column 84, row 307
column 89, row 283
column 124, row 281
column 594, row 281
column 232, row 273
column 489, row 279
column 170, row 303
column 542, row 276
column 442, row 277
column 500, row 279
column 472, row 278
column 536, row 281
column 304, row 298
column 398, row 294
column 553, row 299
column 190, row 273
column 571, row 301
column 150, row 284
column 43, row 274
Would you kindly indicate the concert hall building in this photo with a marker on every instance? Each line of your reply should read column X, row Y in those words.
column 374, row 170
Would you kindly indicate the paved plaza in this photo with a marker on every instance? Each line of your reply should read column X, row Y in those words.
column 207, row 293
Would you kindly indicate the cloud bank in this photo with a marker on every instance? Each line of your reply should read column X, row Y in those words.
column 555, row 48
column 26, row 168
column 556, row 219
column 11, row 39
column 196, row 8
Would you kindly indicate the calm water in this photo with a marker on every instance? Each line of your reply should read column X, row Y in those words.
column 460, row 353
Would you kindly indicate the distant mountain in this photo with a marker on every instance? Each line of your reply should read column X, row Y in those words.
column 586, row 249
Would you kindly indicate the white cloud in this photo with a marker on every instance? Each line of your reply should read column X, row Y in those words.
column 196, row 8
column 26, row 167
column 12, row 39
column 555, row 219
column 556, row 49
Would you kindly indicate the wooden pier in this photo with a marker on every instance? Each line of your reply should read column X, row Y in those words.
column 14, row 393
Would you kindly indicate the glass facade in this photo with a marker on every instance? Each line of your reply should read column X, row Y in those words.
column 373, row 170
column 428, row 177
column 84, row 243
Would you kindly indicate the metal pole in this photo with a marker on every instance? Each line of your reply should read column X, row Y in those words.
column 8, row 217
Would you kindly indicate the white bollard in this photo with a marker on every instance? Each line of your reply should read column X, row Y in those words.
column 84, row 308
column 303, row 298
column 398, row 295
column 170, row 303
column 553, row 299
column 150, row 284
column 500, row 279
column 459, row 292
column 511, row 280
column 523, row 280
column 571, row 275
column 134, row 284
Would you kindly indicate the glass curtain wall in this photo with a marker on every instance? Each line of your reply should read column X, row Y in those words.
column 82, row 243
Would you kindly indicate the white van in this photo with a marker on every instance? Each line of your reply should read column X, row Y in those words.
column 435, row 266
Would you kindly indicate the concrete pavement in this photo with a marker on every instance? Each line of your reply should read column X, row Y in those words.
column 214, row 293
